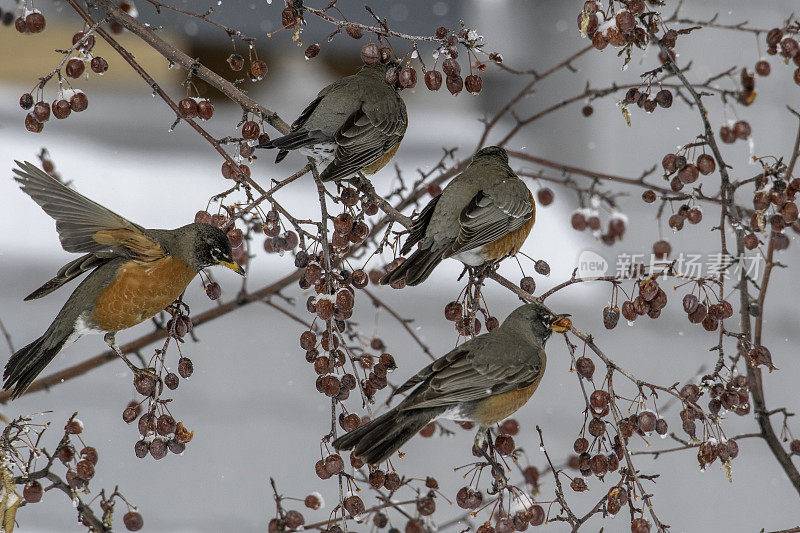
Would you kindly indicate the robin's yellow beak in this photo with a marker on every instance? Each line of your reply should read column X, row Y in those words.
column 561, row 324
column 236, row 267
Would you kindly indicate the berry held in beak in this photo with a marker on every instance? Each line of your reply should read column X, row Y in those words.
column 561, row 324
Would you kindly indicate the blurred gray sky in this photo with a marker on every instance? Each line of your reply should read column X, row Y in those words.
column 251, row 400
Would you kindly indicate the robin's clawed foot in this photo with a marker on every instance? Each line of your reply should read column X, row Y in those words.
column 138, row 372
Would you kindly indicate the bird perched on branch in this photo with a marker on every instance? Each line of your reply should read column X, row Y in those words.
column 484, row 381
column 482, row 216
column 353, row 125
column 135, row 272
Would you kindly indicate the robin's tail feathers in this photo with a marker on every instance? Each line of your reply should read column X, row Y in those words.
column 27, row 363
column 415, row 269
column 376, row 441
column 293, row 141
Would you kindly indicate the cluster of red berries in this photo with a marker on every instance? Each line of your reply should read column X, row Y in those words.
column 731, row 395
column 278, row 242
column 589, row 218
column 685, row 213
column 774, row 206
column 258, row 68
column 789, row 48
column 733, row 131
column 663, row 98
column 80, row 470
column 685, row 172
column 607, row 27
column 68, row 100
column 158, row 429
column 29, row 22
column 196, row 108
column 706, row 313
column 465, row 324
column 519, row 521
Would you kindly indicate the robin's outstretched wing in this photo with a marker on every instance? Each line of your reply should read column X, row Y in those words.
column 493, row 214
column 461, row 377
column 369, row 133
column 84, row 226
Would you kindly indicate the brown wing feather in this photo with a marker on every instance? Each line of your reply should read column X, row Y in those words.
column 78, row 219
column 458, row 377
column 491, row 215
column 365, row 136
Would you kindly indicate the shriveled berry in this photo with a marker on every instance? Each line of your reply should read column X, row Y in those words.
column 258, row 69
column 473, row 84
column 454, row 84
column 141, row 448
column 541, row 267
column 407, row 78
column 98, row 65
column 610, row 317
column 664, row 98
column 640, row 525
column 504, row 444
column 580, row 445
column 370, row 54
column 578, row 484
column 144, row 384
column 585, row 367
column 527, row 284
column 354, row 505
column 26, row 101
column 133, row 521
column 236, row 62
column 433, row 80
column 185, row 367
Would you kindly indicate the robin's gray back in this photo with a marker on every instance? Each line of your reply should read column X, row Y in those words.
column 484, row 173
column 339, row 100
column 506, row 359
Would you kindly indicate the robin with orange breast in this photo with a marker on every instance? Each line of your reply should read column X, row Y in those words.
column 483, row 381
column 482, row 216
column 135, row 272
column 353, row 125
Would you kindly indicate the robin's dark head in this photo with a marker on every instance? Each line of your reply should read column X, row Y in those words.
column 491, row 151
column 539, row 320
column 209, row 246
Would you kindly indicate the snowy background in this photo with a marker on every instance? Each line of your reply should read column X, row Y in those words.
column 251, row 400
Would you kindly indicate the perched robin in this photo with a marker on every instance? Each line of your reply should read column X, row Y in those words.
column 354, row 124
column 136, row 272
column 482, row 216
column 484, row 381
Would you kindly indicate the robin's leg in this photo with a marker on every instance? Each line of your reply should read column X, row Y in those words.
column 112, row 343
column 178, row 307
column 500, row 480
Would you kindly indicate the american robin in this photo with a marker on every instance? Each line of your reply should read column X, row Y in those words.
column 482, row 216
column 135, row 272
column 354, row 124
column 484, row 381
